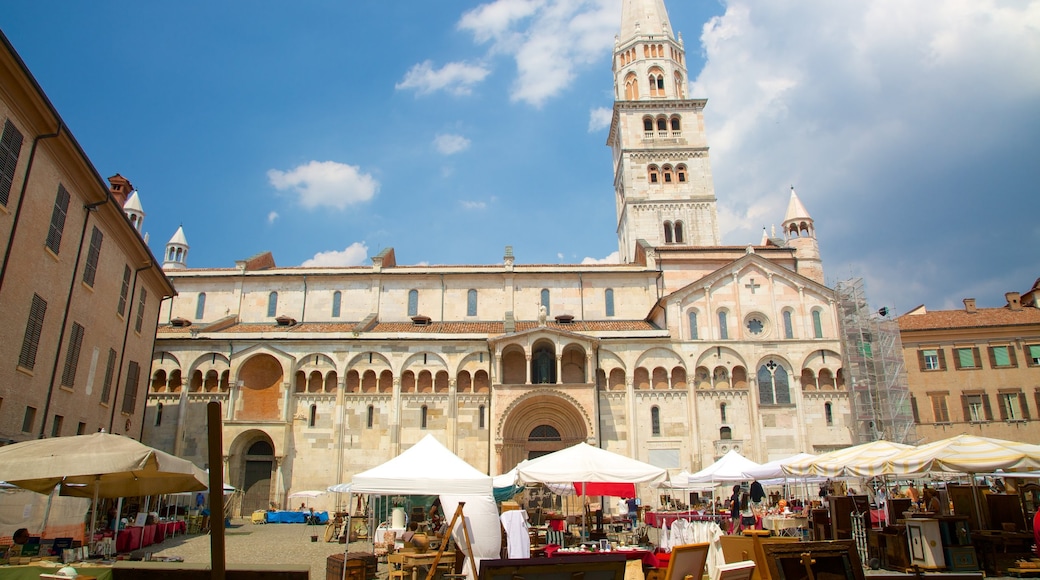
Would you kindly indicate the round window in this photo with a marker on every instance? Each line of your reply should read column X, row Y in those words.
column 755, row 326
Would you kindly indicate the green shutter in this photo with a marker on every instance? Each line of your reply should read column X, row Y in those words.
column 1000, row 356
column 1034, row 353
column 966, row 358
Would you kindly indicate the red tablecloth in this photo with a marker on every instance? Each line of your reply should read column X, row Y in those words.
column 648, row 557
column 148, row 535
column 128, row 539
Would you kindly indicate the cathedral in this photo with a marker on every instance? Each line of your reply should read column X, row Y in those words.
column 684, row 350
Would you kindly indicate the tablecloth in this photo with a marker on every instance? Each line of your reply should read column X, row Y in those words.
column 647, row 556
column 294, row 517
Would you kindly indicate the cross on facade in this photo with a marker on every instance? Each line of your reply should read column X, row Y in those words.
column 752, row 286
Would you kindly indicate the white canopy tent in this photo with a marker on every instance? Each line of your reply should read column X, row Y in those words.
column 430, row 468
column 583, row 463
column 774, row 469
column 730, row 467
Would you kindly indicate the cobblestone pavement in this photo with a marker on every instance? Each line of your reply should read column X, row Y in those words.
column 254, row 546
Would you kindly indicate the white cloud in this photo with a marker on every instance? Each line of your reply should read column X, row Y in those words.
column 600, row 118
column 882, row 114
column 272, row 217
column 326, row 184
column 353, row 255
column 612, row 258
column 457, row 78
column 549, row 39
column 559, row 256
column 473, row 205
column 449, row 144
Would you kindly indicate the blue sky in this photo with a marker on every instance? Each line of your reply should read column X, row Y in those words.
column 327, row 131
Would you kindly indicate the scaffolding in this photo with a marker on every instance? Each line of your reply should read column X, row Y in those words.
column 879, row 394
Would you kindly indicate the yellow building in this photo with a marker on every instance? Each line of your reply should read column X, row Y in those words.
column 975, row 370
column 79, row 288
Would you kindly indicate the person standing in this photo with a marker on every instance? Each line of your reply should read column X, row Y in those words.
column 734, row 510
column 747, row 512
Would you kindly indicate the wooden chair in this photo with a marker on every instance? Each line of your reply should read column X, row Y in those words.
column 395, row 567
column 749, row 547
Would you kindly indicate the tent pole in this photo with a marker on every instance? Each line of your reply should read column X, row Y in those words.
column 47, row 509
column 346, row 549
column 147, row 504
column 93, row 515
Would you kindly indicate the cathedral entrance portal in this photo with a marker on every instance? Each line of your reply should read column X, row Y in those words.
column 256, row 465
column 540, row 425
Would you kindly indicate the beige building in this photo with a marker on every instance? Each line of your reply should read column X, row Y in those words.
column 683, row 351
column 975, row 370
column 79, row 289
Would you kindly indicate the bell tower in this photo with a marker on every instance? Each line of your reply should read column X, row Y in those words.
column 663, row 186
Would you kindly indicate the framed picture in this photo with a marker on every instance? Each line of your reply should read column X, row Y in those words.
column 687, row 560
column 735, row 571
column 828, row 560
column 604, row 545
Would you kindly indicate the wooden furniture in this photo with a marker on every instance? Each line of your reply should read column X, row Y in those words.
column 820, row 524
column 963, row 499
column 812, row 560
column 751, row 547
column 893, row 548
column 1029, row 493
column 843, row 508
column 1005, row 508
column 597, row 567
column 359, row 566
column 925, row 543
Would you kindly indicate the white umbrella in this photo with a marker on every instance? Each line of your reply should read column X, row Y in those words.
column 308, row 493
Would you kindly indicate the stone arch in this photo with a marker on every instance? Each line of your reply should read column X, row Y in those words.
column 660, row 379
column 514, row 365
column 424, row 382
column 481, row 382
column 616, row 382
column 408, row 382
column 702, row 378
column 572, row 365
column 642, row 379
column 660, row 357
column 251, row 468
column 808, row 380
column 826, row 380
column 261, row 376
column 679, row 378
column 740, row 377
column 542, row 407
column 543, row 362
column 200, row 371
column 440, row 382
column 464, row 382
column 159, row 381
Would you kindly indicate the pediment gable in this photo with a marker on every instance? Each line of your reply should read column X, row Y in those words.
column 740, row 268
column 553, row 334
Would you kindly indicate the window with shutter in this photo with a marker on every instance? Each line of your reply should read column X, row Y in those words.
column 33, row 330
column 929, row 359
column 139, row 323
column 124, row 291
column 57, row 228
column 10, row 148
column 68, row 375
column 999, row 356
column 90, row 269
column 110, row 369
column 940, row 411
column 1033, row 354
column 965, row 358
column 133, row 373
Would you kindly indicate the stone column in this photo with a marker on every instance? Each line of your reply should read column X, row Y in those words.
column 527, row 369
column 559, row 369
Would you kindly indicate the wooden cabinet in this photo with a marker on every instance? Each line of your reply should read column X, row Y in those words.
column 925, row 542
column 843, row 508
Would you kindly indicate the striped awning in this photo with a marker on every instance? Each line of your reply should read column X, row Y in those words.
column 966, row 454
column 866, row 460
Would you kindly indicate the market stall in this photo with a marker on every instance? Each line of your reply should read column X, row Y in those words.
column 429, row 468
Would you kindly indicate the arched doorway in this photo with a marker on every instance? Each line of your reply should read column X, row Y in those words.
column 541, row 423
column 257, row 465
column 543, row 363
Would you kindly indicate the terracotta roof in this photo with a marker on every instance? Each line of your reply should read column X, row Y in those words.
column 983, row 317
column 590, row 325
column 489, row 328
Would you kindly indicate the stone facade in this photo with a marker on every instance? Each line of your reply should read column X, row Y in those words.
column 683, row 351
column 79, row 289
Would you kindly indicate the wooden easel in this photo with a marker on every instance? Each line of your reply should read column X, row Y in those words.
column 465, row 535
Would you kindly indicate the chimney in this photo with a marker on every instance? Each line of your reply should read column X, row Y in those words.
column 969, row 305
column 1014, row 300
column 120, row 187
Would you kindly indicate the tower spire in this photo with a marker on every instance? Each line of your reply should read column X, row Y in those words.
column 644, row 18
